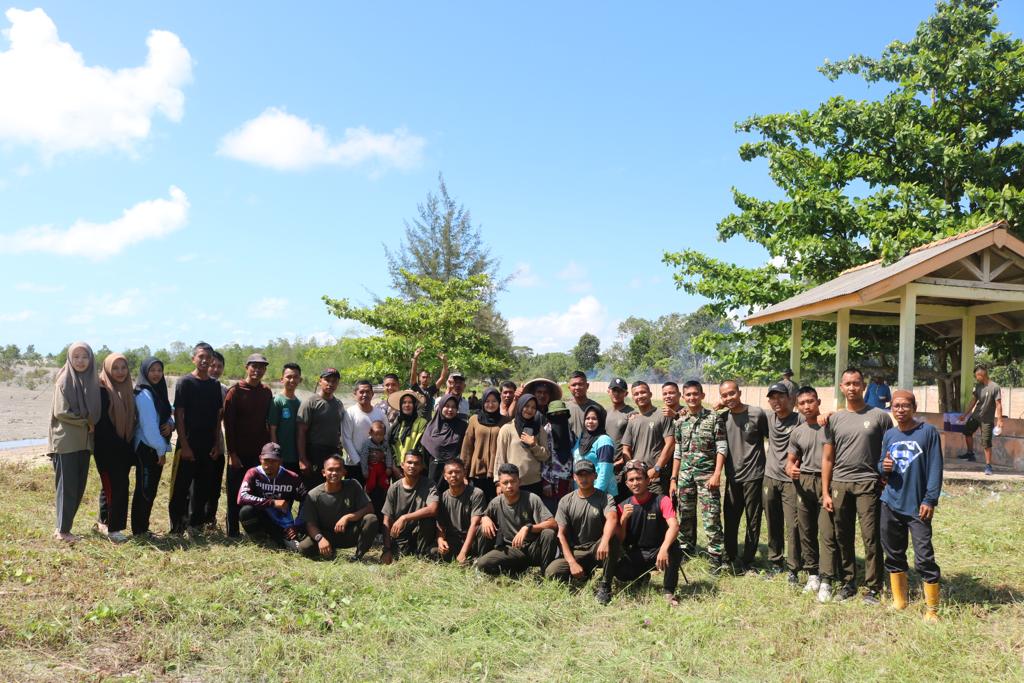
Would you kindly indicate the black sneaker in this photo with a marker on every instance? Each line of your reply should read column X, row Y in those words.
column 604, row 594
column 793, row 579
column 846, row 592
column 968, row 456
column 871, row 598
column 773, row 571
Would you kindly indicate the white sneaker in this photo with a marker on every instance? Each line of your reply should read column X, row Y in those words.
column 291, row 545
column 813, row 584
column 117, row 537
column 824, row 592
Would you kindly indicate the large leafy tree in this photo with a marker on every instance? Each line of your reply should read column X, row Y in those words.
column 443, row 244
column 587, row 351
column 434, row 319
column 861, row 179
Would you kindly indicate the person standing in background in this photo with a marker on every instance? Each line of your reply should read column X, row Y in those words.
column 197, row 414
column 216, row 371
column 113, row 445
column 746, row 428
column 615, row 427
column 480, row 444
column 985, row 413
column 283, row 417
column 245, row 430
column 791, row 386
column 419, row 381
column 878, row 394
column 74, row 412
column 355, row 428
column 152, row 440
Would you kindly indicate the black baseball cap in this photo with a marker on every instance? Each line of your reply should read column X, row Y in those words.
column 329, row 372
column 778, row 387
column 582, row 466
column 618, row 383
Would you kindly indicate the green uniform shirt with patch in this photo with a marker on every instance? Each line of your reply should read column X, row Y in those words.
column 857, row 439
column 401, row 501
column 645, row 435
column 323, row 419
column 985, row 408
column 615, row 426
column 455, row 513
column 584, row 518
column 323, row 509
column 806, row 443
column 699, row 440
column 509, row 519
column 746, row 433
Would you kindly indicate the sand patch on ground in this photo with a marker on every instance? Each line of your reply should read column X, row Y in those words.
column 24, row 412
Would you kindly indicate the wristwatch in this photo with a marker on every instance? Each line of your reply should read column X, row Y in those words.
column 318, row 538
column 529, row 528
column 657, row 469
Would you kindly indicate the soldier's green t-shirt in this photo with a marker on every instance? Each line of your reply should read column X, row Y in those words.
column 401, row 501
column 806, row 443
column 779, row 433
column 646, row 434
column 615, row 426
column 509, row 519
column 746, row 433
column 584, row 518
column 455, row 513
column 857, row 439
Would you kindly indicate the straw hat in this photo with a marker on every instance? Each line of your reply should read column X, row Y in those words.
column 556, row 391
column 395, row 398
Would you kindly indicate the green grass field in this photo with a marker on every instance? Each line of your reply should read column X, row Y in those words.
column 213, row 610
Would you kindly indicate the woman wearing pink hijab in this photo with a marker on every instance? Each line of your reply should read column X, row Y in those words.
column 73, row 417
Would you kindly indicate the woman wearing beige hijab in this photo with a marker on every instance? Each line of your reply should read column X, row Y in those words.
column 115, row 431
column 73, row 416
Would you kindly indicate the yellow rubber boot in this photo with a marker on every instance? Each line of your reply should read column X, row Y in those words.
column 931, row 599
column 898, row 583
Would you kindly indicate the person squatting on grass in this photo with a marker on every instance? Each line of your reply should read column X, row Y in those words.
column 265, row 498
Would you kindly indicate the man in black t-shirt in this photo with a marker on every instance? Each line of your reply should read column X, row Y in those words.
column 197, row 414
column 518, row 531
column 419, row 381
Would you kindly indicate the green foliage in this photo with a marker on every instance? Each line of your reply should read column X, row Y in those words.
column 434, row 319
column 864, row 179
column 587, row 352
column 443, row 244
column 673, row 346
column 557, row 366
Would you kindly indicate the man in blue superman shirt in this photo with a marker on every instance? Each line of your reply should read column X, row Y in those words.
column 912, row 462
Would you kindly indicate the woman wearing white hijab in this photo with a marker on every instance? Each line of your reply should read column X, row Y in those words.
column 73, row 416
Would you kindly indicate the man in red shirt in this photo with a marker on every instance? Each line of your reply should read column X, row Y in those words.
column 245, row 429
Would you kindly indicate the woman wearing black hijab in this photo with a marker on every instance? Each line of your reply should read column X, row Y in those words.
column 442, row 439
column 481, row 443
column 151, row 442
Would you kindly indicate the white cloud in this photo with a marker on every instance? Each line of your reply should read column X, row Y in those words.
column 560, row 330
column 524, row 276
column 285, row 142
column 53, row 100
column 123, row 305
column 97, row 241
column 270, row 307
column 577, row 278
column 37, row 288
column 18, row 317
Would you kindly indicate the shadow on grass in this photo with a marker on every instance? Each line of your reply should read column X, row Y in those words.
column 964, row 588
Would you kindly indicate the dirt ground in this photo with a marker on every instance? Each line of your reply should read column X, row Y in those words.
column 24, row 413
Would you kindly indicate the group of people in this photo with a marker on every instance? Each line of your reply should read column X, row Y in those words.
column 525, row 480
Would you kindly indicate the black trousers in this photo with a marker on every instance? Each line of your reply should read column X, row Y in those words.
column 635, row 562
column 234, row 483
column 191, row 486
column 115, row 472
column 895, row 528
column 780, row 513
column 858, row 502
column 539, row 551
column 742, row 499
column 147, row 480
column 586, row 555
column 258, row 525
column 316, row 454
column 358, row 535
column 417, row 538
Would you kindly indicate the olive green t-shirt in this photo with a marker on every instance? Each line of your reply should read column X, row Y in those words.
column 857, row 438
column 509, row 519
column 987, row 395
column 455, row 513
column 745, row 432
column 779, row 434
column 323, row 509
column 806, row 443
column 401, row 501
column 615, row 426
column 583, row 518
column 645, row 435
column 322, row 419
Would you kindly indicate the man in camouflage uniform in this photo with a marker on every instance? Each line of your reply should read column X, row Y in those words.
column 697, row 473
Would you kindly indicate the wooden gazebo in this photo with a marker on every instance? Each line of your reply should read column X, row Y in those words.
column 962, row 286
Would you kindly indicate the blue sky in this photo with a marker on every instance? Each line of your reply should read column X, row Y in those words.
column 214, row 182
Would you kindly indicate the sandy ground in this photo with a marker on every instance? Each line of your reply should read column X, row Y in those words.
column 24, row 413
